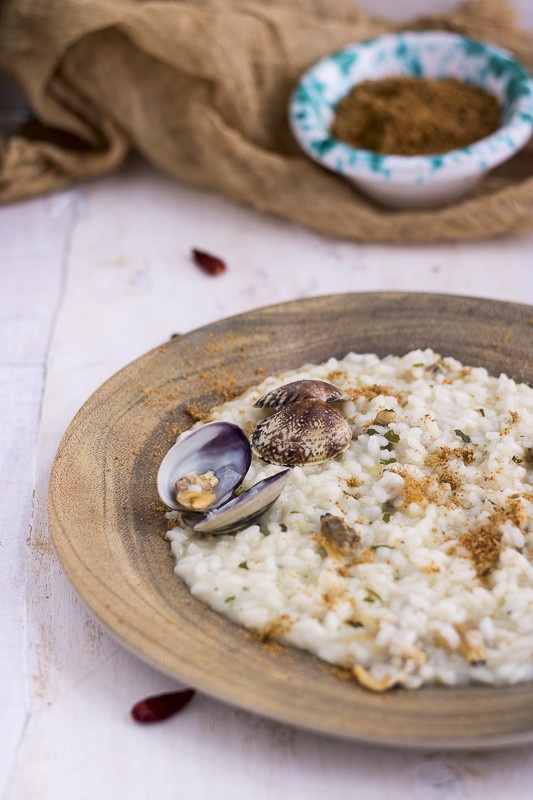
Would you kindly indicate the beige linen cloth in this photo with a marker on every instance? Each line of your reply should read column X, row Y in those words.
column 201, row 87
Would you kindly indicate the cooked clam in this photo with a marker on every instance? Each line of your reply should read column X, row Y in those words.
column 385, row 417
column 301, row 390
column 308, row 431
column 245, row 508
column 220, row 447
column 339, row 539
column 201, row 473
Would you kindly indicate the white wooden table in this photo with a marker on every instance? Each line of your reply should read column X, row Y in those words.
column 90, row 279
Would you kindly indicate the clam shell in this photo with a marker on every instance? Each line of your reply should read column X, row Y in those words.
column 245, row 509
column 305, row 432
column 300, row 390
column 220, row 446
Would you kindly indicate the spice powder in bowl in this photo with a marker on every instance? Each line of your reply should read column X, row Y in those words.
column 415, row 116
column 414, row 120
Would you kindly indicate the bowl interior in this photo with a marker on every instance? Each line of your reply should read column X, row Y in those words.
column 418, row 54
column 435, row 55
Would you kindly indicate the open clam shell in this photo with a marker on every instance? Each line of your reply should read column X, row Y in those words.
column 307, row 431
column 219, row 446
column 245, row 509
column 301, row 390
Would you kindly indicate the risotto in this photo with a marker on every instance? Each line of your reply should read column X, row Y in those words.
column 436, row 489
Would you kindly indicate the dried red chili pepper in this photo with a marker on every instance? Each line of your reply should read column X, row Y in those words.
column 210, row 264
column 160, row 706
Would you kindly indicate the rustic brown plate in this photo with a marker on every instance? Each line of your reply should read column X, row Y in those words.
column 108, row 527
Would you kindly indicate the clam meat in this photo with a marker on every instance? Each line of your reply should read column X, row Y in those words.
column 336, row 537
column 196, row 491
column 201, row 473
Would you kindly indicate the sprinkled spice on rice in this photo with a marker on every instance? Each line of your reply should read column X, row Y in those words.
column 406, row 559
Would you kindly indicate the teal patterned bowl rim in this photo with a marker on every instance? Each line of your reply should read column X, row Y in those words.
column 435, row 54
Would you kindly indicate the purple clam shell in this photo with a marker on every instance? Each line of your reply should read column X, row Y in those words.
column 246, row 508
column 220, row 446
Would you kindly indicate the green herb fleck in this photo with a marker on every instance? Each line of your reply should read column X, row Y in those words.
column 392, row 437
column 283, row 527
column 419, row 364
column 386, row 461
column 372, row 596
column 463, row 436
column 372, row 432
column 244, row 565
column 386, row 516
column 229, row 599
column 481, row 411
column 516, row 460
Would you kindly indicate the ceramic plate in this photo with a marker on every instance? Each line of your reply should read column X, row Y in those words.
column 108, row 526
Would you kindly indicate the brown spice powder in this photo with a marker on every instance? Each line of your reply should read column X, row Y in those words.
column 439, row 461
column 196, row 414
column 442, row 456
column 353, row 482
column 415, row 116
column 369, row 392
column 447, row 475
column 516, row 511
column 277, row 627
column 336, row 376
column 484, row 544
column 416, row 490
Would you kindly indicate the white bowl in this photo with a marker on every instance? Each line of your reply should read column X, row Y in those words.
column 427, row 181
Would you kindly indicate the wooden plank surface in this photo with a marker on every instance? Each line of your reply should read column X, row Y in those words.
column 90, row 279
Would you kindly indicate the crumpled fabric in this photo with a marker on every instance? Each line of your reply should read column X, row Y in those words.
column 201, row 89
